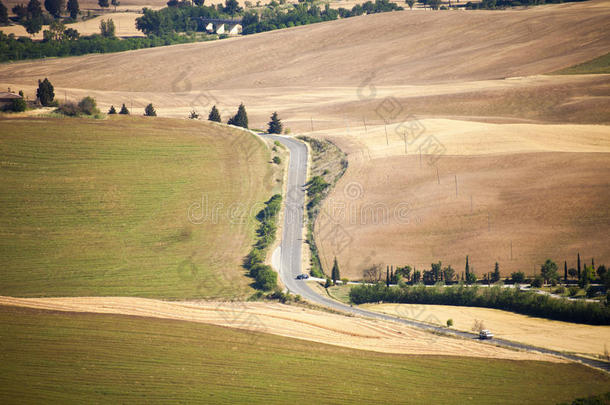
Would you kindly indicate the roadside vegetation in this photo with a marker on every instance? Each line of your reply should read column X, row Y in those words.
column 508, row 299
column 111, row 207
column 135, row 359
column 328, row 163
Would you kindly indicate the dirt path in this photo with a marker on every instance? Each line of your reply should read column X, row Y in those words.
column 285, row 320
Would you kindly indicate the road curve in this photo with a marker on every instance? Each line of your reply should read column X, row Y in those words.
column 291, row 259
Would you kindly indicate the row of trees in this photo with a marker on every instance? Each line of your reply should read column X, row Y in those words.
column 509, row 299
column 265, row 276
column 240, row 119
column 437, row 273
column 71, row 44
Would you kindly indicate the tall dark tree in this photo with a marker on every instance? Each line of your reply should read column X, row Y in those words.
column 124, row 110
column 335, row 274
column 387, row 276
column 54, row 7
column 232, row 7
column 565, row 271
column 214, row 114
column 578, row 265
column 495, row 276
column 275, row 125
column 112, row 110
column 73, row 8
column 115, row 3
column 34, row 8
column 103, row 3
column 467, row 267
column 3, row 14
column 241, row 118
column 45, row 92
column 149, row 111
column 593, row 263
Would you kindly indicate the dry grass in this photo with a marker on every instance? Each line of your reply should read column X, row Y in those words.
column 562, row 336
column 285, row 320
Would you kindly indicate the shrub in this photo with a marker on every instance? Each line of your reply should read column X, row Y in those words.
column 537, row 282
column 112, row 110
column 277, row 160
column 18, row 105
column 560, row 290
column 124, row 110
column 518, row 277
column 88, row 106
column 328, row 283
column 68, row 108
column 449, row 322
column 573, row 290
column 266, row 279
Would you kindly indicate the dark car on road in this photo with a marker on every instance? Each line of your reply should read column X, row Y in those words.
column 302, row 277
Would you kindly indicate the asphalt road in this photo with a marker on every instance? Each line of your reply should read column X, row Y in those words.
column 290, row 259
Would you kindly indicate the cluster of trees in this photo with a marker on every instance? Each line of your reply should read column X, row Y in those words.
column 123, row 111
column 182, row 17
column 265, row 276
column 71, row 44
column 509, row 299
column 308, row 13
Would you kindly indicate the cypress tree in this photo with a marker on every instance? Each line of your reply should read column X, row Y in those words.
column 45, row 92
column 3, row 14
column 565, row 271
column 275, row 125
column 241, row 118
column 112, row 110
column 495, row 277
column 335, row 271
column 592, row 263
column 387, row 276
column 73, row 8
column 467, row 267
column 578, row 263
column 124, row 110
column 214, row 114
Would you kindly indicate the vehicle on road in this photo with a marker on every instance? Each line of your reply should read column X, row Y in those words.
column 302, row 277
column 485, row 334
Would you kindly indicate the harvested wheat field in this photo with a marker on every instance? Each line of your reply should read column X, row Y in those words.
column 516, row 194
column 286, row 320
column 562, row 336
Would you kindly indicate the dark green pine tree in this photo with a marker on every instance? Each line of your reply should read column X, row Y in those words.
column 578, row 265
column 335, row 274
column 3, row 14
column 387, row 276
column 565, row 271
column 149, row 111
column 241, row 118
column 275, row 125
column 214, row 115
column 73, row 8
column 45, row 92
column 495, row 276
column 124, row 110
column 467, row 267
column 112, row 110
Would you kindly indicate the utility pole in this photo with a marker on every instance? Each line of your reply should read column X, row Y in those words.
column 471, row 203
column 311, row 120
column 385, row 126
column 456, row 186
column 511, row 250
column 364, row 121
column 420, row 156
column 438, row 179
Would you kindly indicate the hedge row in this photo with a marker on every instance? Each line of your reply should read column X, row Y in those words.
column 509, row 299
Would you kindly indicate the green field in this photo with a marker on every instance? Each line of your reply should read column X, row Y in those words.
column 594, row 66
column 101, row 207
column 66, row 357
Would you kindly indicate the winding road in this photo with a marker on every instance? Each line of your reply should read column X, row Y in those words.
column 290, row 260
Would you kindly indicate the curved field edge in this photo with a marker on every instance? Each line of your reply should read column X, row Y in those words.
column 150, row 360
column 128, row 206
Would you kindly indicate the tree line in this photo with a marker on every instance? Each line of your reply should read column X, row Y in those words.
column 509, row 299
